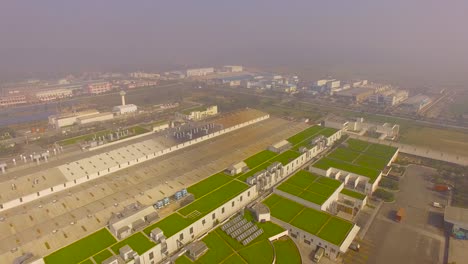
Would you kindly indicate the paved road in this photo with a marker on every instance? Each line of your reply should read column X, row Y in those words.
column 419, row 238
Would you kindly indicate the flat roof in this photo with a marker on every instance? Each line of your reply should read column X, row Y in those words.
column 355, row 91
column 310, row 187
column 359, row 157
column 456, row 215
column 318, row 223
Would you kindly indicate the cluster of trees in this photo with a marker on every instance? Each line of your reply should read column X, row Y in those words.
column 388, row 183
column 384, row 195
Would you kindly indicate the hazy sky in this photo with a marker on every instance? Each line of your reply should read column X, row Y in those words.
column 396, row 40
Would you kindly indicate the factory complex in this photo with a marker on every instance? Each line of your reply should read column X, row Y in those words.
column 270, row 195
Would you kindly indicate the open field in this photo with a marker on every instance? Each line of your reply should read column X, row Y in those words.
column 310, row 187
column 82, row 249
column 321, row 224
column 286, row 252
column 438, row 139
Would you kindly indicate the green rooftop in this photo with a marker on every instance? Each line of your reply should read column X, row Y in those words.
column 82, row 249
column 259, row 158
column 318, row 223
column 310, row 187
column 138, row 242
column 205, row 186
column 353, row 194
column 305, row 134
column 359, row 157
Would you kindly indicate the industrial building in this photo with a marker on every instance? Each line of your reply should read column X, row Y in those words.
column 98, row 87
column 233, row 68
column 124, row 108
column 198, row 113
column 199, row 72
column 389, row 97
column 355, row 95
column 12, row 100
column 64, row 120
column 105, row 116
column 458, row 218
column 416, row 103
column 49, row 95
column 215, row 207
column 145, row 75
column 358, row 126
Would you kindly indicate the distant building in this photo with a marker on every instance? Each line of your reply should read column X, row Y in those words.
column 389, row 98
column 199, row 72
column 145, row 75
column 125, row 109
column 63, row 120
column 12, row 100
column 232, row 68
column 98, row 87
column 416, row 103
column 50, row 95
column 356, row 95
column 234, row 81
column 198, row 113
column 95, row 118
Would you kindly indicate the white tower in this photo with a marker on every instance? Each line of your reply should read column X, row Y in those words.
column 122, row 93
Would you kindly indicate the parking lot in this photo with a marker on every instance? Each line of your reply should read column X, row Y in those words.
column 419, row 238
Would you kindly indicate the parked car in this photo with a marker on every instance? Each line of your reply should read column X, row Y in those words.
column 355, row 246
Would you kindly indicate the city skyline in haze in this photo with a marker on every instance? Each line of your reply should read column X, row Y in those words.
column 418, row 42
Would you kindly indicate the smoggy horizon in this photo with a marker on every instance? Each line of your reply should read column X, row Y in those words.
column 422, row 42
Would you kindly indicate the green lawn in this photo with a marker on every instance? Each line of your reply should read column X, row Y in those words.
column 310, row 187
column 285, row 157
column 335, row 230
column 326, row 163
column 218, row 249
column 170, row 225
column 344, row 154
column 310, row 220
column 302, row 179
column 86, row 137
column 183, row 260
column 305, row 134
column 138, row 242
column 261, row 252
column 329, row 182
column 313, row 197
column 214, row 199
column 209, row 184
column 286, row 252
column 88, row 261
column 259, row 158
column 353, row 194
column 357, row 145
column 137, row 130
column 328, row 131
column 82, row 249
column 282, row 208
column 372, row 162
column 234, row 259
column 383, row 151
column 102, row 256
column 319, row 223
